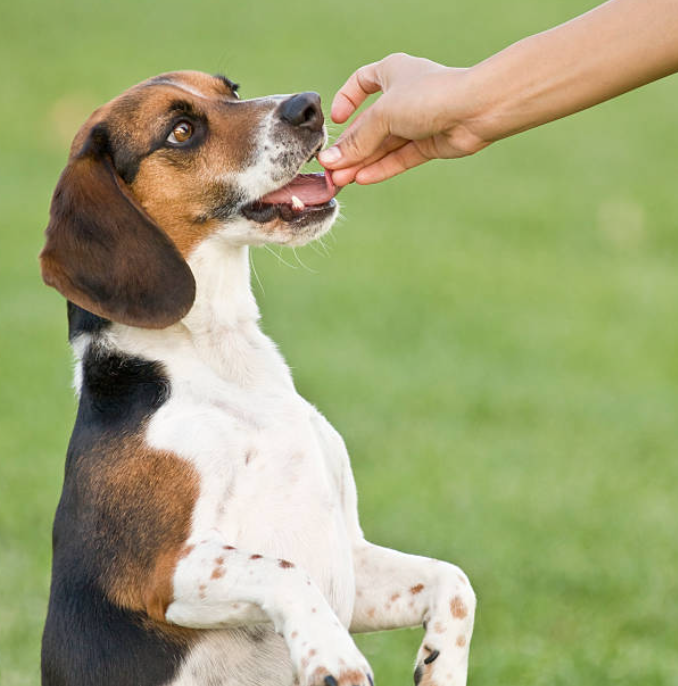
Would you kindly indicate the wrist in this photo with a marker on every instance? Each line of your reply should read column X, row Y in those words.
column 464, row 112
column 499, row 93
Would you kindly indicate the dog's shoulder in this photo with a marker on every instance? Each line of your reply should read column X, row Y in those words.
column 123, row 503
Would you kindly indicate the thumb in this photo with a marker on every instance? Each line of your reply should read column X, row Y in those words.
column 359, row 141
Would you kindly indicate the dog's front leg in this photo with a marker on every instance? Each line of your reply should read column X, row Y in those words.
column 396, row 590
column 216, row 586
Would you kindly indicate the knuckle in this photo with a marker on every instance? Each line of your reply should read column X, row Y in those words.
column 351, row 147
column 396, row 57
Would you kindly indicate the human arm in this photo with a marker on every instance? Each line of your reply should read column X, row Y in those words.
column 429, row 111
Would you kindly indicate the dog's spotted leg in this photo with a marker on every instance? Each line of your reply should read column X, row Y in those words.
column 215, row 585
column 397, row 590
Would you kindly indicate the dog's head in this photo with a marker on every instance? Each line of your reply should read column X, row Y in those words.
column 166, row 165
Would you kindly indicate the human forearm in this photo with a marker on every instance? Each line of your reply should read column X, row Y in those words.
column 612, row 49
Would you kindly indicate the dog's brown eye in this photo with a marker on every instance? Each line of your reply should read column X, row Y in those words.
column 181, row 132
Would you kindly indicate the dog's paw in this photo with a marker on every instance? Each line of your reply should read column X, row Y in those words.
column 440, row 665
column 336, row 663
column 424, row 671
column 442, row 659
column 343, row 677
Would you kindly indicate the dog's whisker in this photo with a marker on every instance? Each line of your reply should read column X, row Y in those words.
column 256, row 274
column 324, row 247
column 279, row 257
column 302, row 263
column 322, row 253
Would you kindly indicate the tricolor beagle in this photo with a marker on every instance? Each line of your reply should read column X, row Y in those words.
column 207, row 532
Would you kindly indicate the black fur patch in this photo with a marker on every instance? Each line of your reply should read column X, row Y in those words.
column 118, row 392
column 82, row 321
column 87, row 640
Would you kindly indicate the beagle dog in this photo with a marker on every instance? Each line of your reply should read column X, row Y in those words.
column 207, row 532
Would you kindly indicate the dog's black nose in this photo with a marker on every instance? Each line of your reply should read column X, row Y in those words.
column 303, row 110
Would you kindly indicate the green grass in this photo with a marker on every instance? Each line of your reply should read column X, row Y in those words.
column 496, row 338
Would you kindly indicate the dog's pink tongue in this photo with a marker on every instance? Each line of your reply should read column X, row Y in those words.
column 311, row 189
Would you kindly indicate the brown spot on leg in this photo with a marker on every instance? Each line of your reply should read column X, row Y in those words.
column 417, row 589
column 461, row 641
column 217, row 573
column 351, row 676
column 255, row 557
column 395, row 597
column 219, row 561
column 285, row 564
column 458, row 608
column 371, row 611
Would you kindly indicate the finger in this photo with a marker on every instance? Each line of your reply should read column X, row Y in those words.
column 394, row 163
column 360, row 140
column 342, row 177
column 352, row 94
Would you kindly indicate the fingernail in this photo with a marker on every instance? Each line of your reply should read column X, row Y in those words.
column 330, row 156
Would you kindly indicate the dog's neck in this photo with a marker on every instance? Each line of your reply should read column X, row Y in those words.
column 224, row 299
column 222, row 327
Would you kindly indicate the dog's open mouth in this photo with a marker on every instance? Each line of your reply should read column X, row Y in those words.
column 301, row 197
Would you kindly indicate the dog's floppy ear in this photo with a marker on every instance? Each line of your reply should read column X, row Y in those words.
column 104, row 253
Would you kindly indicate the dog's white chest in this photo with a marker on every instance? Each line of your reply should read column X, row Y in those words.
column 267, row 483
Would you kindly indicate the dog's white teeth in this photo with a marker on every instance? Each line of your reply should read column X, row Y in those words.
column 297, row 204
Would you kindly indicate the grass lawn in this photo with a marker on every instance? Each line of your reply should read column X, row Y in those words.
column 496, row 338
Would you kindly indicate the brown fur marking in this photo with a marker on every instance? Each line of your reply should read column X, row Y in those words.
column 144, row 500
column 417, row 589
column 458, row 608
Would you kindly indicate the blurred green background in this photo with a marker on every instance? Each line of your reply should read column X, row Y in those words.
column 496, row 338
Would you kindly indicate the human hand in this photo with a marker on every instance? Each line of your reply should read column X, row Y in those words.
column 422, row 115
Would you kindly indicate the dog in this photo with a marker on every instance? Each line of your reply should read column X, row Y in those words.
column 207, row 532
